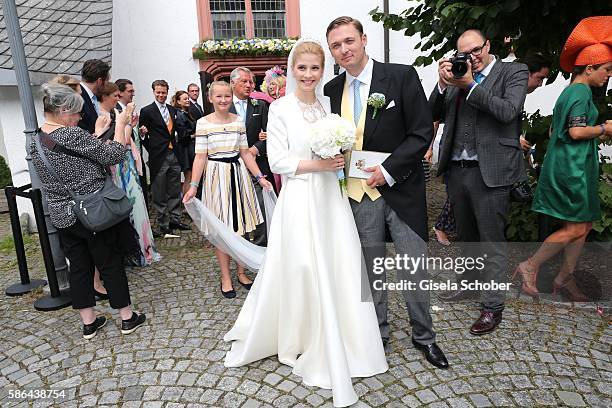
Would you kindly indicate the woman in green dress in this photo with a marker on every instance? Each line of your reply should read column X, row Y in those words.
column 568, row 184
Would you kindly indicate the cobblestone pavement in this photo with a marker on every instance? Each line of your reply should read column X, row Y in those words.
column 541, row 355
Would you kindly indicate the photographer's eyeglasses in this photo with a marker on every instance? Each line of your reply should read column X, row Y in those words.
column 478, row 50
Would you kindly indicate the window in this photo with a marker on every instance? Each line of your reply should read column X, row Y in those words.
column 247, row 18
column 268, row 18
column 228, row 18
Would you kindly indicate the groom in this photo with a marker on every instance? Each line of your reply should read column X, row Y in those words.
column 393, row 198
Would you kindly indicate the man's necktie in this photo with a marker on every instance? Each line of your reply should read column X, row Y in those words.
column 96, row 105
column 479, row 77
column 165, row 113
column 240, row 109
column 356, row 100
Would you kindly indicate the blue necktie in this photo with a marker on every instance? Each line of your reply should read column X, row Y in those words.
column 242, row 112
column 356, row 100
column 479, row 77
column 94, row 101
column 165, row 113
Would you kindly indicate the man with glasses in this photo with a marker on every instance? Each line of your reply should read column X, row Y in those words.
column 481, row 155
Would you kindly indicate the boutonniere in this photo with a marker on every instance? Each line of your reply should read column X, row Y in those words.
column 254, row 102
column 377, row 101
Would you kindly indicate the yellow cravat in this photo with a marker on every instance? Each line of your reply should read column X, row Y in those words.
column 356, row 188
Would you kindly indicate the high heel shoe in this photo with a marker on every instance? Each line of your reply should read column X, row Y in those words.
column 230, row 294
column 528, row 278
column 441, row 241
column 572, row 296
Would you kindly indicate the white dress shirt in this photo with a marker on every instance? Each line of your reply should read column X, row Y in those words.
column 365, row 77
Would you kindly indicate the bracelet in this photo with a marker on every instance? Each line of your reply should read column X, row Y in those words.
column 259, row 176
column 194, row 184
column 603, row 129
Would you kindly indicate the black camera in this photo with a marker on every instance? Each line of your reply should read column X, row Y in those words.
column 460, row 64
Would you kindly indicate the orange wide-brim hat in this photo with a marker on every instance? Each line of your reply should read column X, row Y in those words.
column 589, row 44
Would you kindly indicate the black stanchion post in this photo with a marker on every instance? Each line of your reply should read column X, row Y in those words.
column 26, row 284
column 57, row 300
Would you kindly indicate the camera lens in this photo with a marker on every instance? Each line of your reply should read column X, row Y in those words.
column 459, row 68
column 460, row 64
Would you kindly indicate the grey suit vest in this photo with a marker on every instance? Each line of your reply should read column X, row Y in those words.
column 465, row 137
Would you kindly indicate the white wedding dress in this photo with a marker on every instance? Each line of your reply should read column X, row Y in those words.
column 306, row 303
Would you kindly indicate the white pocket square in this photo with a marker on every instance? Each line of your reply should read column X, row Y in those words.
column 256, row 114
column 390, row 105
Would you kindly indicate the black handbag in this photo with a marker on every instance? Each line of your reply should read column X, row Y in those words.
column 99, row 210
column 521, row 192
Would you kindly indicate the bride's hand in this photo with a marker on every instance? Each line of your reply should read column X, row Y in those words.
column 334, row 164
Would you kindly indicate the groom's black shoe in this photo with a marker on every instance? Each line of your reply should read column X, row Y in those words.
column 433, row 354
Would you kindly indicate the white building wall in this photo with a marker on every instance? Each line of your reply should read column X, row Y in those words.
column 12, row 126
column 152, row 39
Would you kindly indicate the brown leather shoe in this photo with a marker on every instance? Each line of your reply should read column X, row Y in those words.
column 486, row 323
column 458, row 295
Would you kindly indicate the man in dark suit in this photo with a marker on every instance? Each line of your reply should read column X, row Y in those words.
column 393, row 197
column 254, row 114
column 195, row 109
column 158, row 120
column 126, row 93
column 93, row 75
column 481, row 154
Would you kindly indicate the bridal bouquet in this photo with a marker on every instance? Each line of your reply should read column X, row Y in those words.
column 332, row 135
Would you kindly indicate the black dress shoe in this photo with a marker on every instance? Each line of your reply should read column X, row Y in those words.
column 130, row 325
column 179, row 226
column 433, row 354
column 458, row 295
column 486, row 323
column 90, row 330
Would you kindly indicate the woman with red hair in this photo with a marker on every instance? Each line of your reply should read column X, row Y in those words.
column 568, row 185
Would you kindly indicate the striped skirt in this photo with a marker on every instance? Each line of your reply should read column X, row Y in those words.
column 229, row 193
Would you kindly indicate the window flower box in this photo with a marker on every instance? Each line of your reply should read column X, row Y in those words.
column 243, row 47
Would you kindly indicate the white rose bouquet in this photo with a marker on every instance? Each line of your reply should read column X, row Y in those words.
column 330, row 136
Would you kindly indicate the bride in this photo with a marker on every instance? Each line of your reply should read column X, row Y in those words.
column 310, row 302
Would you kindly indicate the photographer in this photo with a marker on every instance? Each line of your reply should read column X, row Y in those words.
column 480, row 98
column 71, row 159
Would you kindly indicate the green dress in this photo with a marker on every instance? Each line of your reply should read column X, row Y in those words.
column 568, row 185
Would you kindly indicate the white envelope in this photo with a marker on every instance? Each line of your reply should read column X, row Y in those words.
column 361, row 159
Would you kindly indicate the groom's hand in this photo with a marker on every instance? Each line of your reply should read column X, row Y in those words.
column 377, row 178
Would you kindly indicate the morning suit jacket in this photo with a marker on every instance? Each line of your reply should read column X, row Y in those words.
column 403, row 128
column 195, row 112
column 158, row 139
column 256, row 121
column 494, row 105
column 88, row 113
